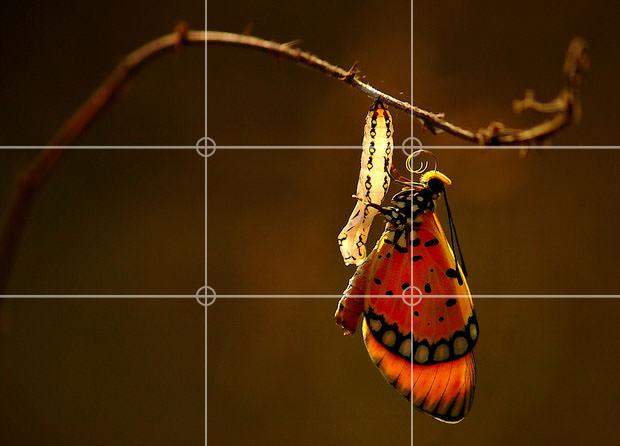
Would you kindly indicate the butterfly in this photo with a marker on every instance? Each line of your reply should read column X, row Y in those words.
column 418, row 320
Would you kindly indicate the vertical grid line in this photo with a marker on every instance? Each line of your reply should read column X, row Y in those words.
column 205, row 216
column 412, row 289
column 205, row 287
column 411, row 67
column 411, row 212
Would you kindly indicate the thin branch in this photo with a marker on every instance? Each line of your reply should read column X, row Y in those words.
column 43, row 164
column 565, row 107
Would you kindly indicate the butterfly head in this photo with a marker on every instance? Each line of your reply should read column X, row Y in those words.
column 435, row 181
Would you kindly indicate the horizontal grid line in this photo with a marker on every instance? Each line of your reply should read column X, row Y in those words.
column 424, row 296
column 99, row 296
column 311, row 147
column 306, row 296
column 408, row 147
column 129, row 147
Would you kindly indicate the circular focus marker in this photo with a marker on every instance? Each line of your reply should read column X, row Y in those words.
column 412, row 296
column 206, row 296
column 410, row 145
column 206, row 146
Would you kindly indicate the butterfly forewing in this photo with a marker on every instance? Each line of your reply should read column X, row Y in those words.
column 411, row 281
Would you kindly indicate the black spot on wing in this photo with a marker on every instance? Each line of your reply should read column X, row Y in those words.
column 451, row 273
column 454, row 274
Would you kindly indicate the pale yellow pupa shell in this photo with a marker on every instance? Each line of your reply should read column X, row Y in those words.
column 373, row 183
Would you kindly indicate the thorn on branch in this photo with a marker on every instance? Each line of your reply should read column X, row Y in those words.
column 288, row 46
column 293, row 44
column 351, row 73
column 181, row 30
column 247, row 30
column 490, row 134
column 430, row 123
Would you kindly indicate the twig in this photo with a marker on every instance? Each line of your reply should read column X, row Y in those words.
column 44, row 163
column 565, row 107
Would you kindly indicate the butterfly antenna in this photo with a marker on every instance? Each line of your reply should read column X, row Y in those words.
column 454, row 237
column 423, row 164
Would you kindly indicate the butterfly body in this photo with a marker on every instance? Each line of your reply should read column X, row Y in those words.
column 418, row 324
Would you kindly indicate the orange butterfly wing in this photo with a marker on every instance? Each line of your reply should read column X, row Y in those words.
column 434, row 367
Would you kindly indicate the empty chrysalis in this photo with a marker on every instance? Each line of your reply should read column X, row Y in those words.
column 373, row 183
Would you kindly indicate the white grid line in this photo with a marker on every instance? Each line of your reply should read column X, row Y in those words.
column 411, row 139
column 98, row 296
column 305, row 296
column 429, row 147
column 434, row 296
column 205, row 229
column 95, row 147
column 318, row 147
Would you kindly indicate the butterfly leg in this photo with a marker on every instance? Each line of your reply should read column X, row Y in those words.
column 390, row 213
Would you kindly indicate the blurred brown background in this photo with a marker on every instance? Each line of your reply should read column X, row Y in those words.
column 280, row 371
column 101, row 372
